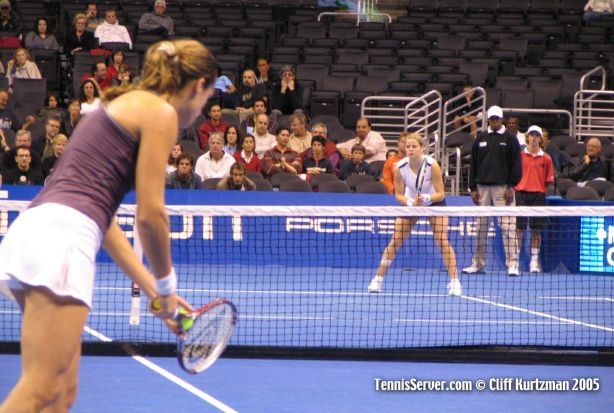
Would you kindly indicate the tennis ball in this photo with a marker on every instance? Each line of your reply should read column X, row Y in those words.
column 187, row 323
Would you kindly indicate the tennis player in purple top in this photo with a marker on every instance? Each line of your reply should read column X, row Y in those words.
column 47, row 258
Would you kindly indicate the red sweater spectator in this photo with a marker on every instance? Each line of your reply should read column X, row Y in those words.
column 212, row 125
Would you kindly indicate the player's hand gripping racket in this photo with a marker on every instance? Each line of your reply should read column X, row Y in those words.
column 206, row 333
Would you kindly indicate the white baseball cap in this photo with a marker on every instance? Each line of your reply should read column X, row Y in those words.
column 535, row 129
column 494, row 111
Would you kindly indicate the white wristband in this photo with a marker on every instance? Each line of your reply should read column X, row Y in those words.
column 168, row 284
column 426, row 200
column 410, row 202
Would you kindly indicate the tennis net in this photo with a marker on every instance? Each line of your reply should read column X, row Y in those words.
column 299, row 276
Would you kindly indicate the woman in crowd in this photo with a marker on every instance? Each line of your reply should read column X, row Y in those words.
column 171, row 165
column 74, row 116
column 52, row 109
column 79, row 39
column 41, row 37
column 116, row 59
column 21, row 67
column 89, row 95
column 232, row 139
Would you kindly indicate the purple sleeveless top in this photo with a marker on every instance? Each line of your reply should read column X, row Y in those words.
column 95, row 170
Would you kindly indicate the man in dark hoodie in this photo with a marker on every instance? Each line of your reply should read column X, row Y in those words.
column 496, row 168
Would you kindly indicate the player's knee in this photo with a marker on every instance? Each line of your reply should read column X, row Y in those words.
column 45, row 395
column 68, row 395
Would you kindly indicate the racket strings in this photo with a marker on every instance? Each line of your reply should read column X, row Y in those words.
column 207, row 337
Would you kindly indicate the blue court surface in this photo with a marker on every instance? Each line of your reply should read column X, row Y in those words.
column 121, row 384
column 330, row 307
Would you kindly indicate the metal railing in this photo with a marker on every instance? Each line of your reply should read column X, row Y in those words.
column 365, row 11
column 452, row 110
column 391, row 115
column 593, row 107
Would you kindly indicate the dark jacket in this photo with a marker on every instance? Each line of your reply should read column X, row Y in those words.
column 495, row 160
column 598, row 168
column 17, row 177
column 349, row 168
column 287, row 102
column 174, row 181
column 247, row 95
column 560, row 159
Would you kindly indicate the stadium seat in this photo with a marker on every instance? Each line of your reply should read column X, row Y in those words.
column 29, row 94
column 316, row 180
column 609, row 195
column 561, row 141
column 354, row 180
column 583, row 193
column 371, row 188
column 294, row 186
column 280, row 177
column 376, row 168
column 518, row 99
column 211, row 183
column 564, row 184
column 600, row 186
column 254, row 175
column 334, row 186
column 575, row 149
column 262, row 185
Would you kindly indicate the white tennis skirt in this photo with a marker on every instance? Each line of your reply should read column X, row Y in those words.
column 51, row 246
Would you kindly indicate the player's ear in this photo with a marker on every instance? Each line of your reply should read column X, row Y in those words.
column 198, row 86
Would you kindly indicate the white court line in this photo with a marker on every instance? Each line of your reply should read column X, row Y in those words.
column 168, row 375
column 519, row 322
column 540, row 314
column 611, row 300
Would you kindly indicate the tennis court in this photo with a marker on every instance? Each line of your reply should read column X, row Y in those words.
column 330, row 307
column 298, row 276
column 112, row 384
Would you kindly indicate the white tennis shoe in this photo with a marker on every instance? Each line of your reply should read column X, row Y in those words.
column 455, row 288
column 534, row 267
column 474, row 269
column 376, row 285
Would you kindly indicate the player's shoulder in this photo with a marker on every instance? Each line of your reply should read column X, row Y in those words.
column 141, row 105
column 403, row 162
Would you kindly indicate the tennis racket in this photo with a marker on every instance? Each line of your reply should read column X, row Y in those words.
column 206, row 333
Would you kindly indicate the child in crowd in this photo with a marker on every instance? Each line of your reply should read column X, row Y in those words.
column 355, row 166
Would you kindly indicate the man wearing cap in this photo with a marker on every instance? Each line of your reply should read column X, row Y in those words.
column 537, row 175
column 287, row 95
column 495, row 169
column 9, row 20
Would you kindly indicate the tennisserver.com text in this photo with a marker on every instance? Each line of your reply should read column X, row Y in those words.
column 498, row 384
